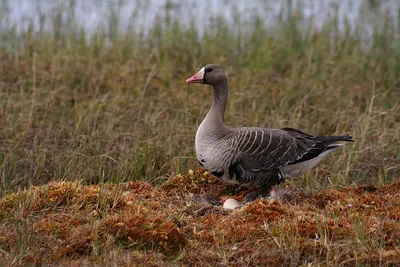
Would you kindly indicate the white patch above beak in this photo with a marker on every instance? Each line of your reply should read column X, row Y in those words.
column 201, row 73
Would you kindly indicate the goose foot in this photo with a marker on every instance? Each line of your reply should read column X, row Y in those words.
column 272, row 193
column 239, row 198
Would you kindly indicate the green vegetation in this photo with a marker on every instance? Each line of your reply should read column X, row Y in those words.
column 112, row 106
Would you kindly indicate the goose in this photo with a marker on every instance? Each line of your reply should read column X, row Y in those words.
column 255, row 158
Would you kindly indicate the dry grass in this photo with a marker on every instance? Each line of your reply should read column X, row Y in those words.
column 70, row 224
column 108, row 109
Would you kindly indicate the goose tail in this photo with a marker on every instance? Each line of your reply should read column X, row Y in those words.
column 328, row 140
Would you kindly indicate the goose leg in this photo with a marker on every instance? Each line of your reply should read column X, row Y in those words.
column 259, row 193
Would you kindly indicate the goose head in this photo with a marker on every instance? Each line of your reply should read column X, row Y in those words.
column 210, row 74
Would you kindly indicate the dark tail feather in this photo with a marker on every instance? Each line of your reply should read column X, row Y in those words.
column 327, row 140
column 324, row 144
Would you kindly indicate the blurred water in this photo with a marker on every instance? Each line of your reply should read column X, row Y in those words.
column 138, row 14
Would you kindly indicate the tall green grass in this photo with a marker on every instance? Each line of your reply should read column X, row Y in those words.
column 109, row 105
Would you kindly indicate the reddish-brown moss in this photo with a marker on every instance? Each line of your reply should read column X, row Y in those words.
column 141, row 231
column 63, row 222
column 198, row 181
column 265, row 210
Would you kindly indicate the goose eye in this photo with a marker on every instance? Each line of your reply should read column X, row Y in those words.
column 209, row 70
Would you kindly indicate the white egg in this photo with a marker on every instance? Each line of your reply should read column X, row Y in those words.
column 231, row 204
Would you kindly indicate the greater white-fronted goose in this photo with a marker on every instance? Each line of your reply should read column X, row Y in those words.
column 257, row 158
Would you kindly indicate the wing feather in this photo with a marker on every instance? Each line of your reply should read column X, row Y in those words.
column 268, row 149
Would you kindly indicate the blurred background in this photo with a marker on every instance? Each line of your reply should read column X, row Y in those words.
column 94, row 89
column 139, row 15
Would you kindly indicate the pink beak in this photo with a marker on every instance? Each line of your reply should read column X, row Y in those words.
column 197, row 78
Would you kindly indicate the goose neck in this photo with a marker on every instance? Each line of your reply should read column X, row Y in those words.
column 217, row 110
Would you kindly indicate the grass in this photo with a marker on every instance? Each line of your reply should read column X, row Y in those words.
column 109, row 107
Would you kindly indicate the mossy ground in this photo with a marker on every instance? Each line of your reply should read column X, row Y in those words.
column 70, row 224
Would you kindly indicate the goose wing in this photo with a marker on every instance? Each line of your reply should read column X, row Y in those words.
column 261, row 149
